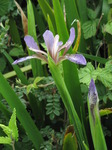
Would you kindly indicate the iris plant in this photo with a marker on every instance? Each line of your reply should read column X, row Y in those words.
column 54, row 46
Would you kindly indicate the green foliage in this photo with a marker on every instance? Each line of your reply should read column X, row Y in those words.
column 102, row 74
column 17, row 51
column 53, row 139
column 48, row 93
column 5, row 6
column 89, row 29
column 11, row 131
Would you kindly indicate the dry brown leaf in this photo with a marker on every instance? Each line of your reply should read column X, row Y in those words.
column 24, row 19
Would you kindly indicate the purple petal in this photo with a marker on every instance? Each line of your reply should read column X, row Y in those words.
column 77, row 58
column 92, row 95
column 30, row 42
column 49, row 40
column 23, row 59
column 70, row 40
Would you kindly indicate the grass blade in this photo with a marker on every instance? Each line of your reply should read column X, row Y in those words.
column 19, row 73
column 47, row 10
column 36, row 64
column 14, row 31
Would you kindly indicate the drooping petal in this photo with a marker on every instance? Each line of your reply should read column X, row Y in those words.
column 92, row 95
column 76, row 58
column 69, row 42
column 49, row 40
column 23, row 59
column 29, row 40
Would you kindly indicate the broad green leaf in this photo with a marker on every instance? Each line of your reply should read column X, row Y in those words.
column 105, row 112
column 108, row 27
column 17, row 51
column 91, row 14
column 4, row 5
column 86, row 73
column 13, row 125
column 5, row 140
column 102, row 74
column 105, row 77
column 89, row 29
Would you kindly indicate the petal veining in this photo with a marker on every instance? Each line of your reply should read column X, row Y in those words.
column 23, row 59
column 76, row 58
column 70, row 41
column 49, row 40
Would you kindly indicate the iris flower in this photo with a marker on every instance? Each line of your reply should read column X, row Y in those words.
column 54, row 46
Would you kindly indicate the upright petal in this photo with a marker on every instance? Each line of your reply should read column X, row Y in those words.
column 23, row 59
column 55, row 48
column 70, row 40
column 77, row 58
column 49, row 40
column 30, row 42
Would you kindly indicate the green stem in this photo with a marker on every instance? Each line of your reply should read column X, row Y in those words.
column 13, row 147
column 67, row 101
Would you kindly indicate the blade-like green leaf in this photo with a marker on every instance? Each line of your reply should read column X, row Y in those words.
column 82, row 8
column 19, row 73
column 14, row 31
column 47, row 10
column 95, row 58
column 36, row 64
column 22, row 114
column 51, row 28
column 70, row 69
column 39, row 19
